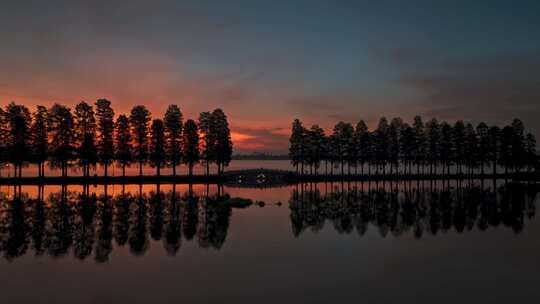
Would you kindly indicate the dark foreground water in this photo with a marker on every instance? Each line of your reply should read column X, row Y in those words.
column 359, row 242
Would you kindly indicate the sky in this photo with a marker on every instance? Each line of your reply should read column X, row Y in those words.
column 266, row 63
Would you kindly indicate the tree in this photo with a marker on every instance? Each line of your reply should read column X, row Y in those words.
column 530, row 151
column 123, row 147
column 518, row 145
column 209, row 140
column 381, row 144
column 361, row 142
column 157, row 145
column 419, row 149
column 494, row 147
column 173, row 135
column 407, row 144
column 62, row 135
column 343, row 135
column 3, row 137
column 507, row 135
column 224, row 145
column 315, row 138
column 482, row 131
column 296, row 145
column 393, row 135
column 446, row 146
column 433, row 136
column 105, row 127
column 39, row 139
column 458, row 136
column 471, row 148
column 139, row 119
column 85, row 132
column 190, row 145
column 18, row 123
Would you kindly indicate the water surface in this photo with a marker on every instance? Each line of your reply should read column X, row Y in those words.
column 374, row 242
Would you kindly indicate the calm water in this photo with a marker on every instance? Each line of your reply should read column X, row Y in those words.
column 361, row 242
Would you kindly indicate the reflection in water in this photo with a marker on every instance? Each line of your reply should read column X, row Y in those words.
column 410, row 208
column 86, row 224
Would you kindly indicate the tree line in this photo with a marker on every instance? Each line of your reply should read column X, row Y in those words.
column 90, row 135
column 421, row 148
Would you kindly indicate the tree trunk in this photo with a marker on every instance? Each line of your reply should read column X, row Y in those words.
column 158, row 170
column 124, row 170
column 174, row 168
column 140, row 168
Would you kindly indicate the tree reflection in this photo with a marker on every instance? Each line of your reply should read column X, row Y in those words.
column 418, row 210
column 85, row 225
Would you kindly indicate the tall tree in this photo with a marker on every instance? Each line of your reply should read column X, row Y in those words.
column 518, row 145
column 139, row 119
column 316, row 147
column 482, row 131
column 471, row 148
column 85, row 132
column 123, row 146
column 61, row 128
column 458, row 135
column 209, row 141
column 343, row 134
column 361, row 142
column 446, row 147
column 224, row 145
column 506, row 159
column 39, row 139
column 297, row 145
column 157, row 145
column 419, row 149
column 494, row 147
column 18, row 139
column 530, row 151
column 394, row 131
column 173, row 135
column 3, row 138
column 407, row 143
column 105, row 127
column 381, row 144
column 190, row 145
column 433, row 136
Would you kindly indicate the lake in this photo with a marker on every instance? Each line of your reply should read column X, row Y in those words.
column 427, row 242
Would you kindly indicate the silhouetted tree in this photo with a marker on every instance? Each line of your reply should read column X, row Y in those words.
column 482, row 131
column 297, row 145
column 393, row 137
column 105, row 127
column 381, row 144
column 18, row 140
column 494, row 147
column 530, row 151
column 190, row 145
column 157, row 145
column 518, row 145
column 407, row 143
column 362, row 144
column 61, row 128
column 209, row 141
column 139, row 119
column 419, row 149
column 471, row 148
column 506, row 147
column 123, row 146
column 224, row 145
column 39, row 139
column 447, row 146
column 173, row 135
column 458, row 135
column 85, row 132
column 433, row 136
column 315, row 149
